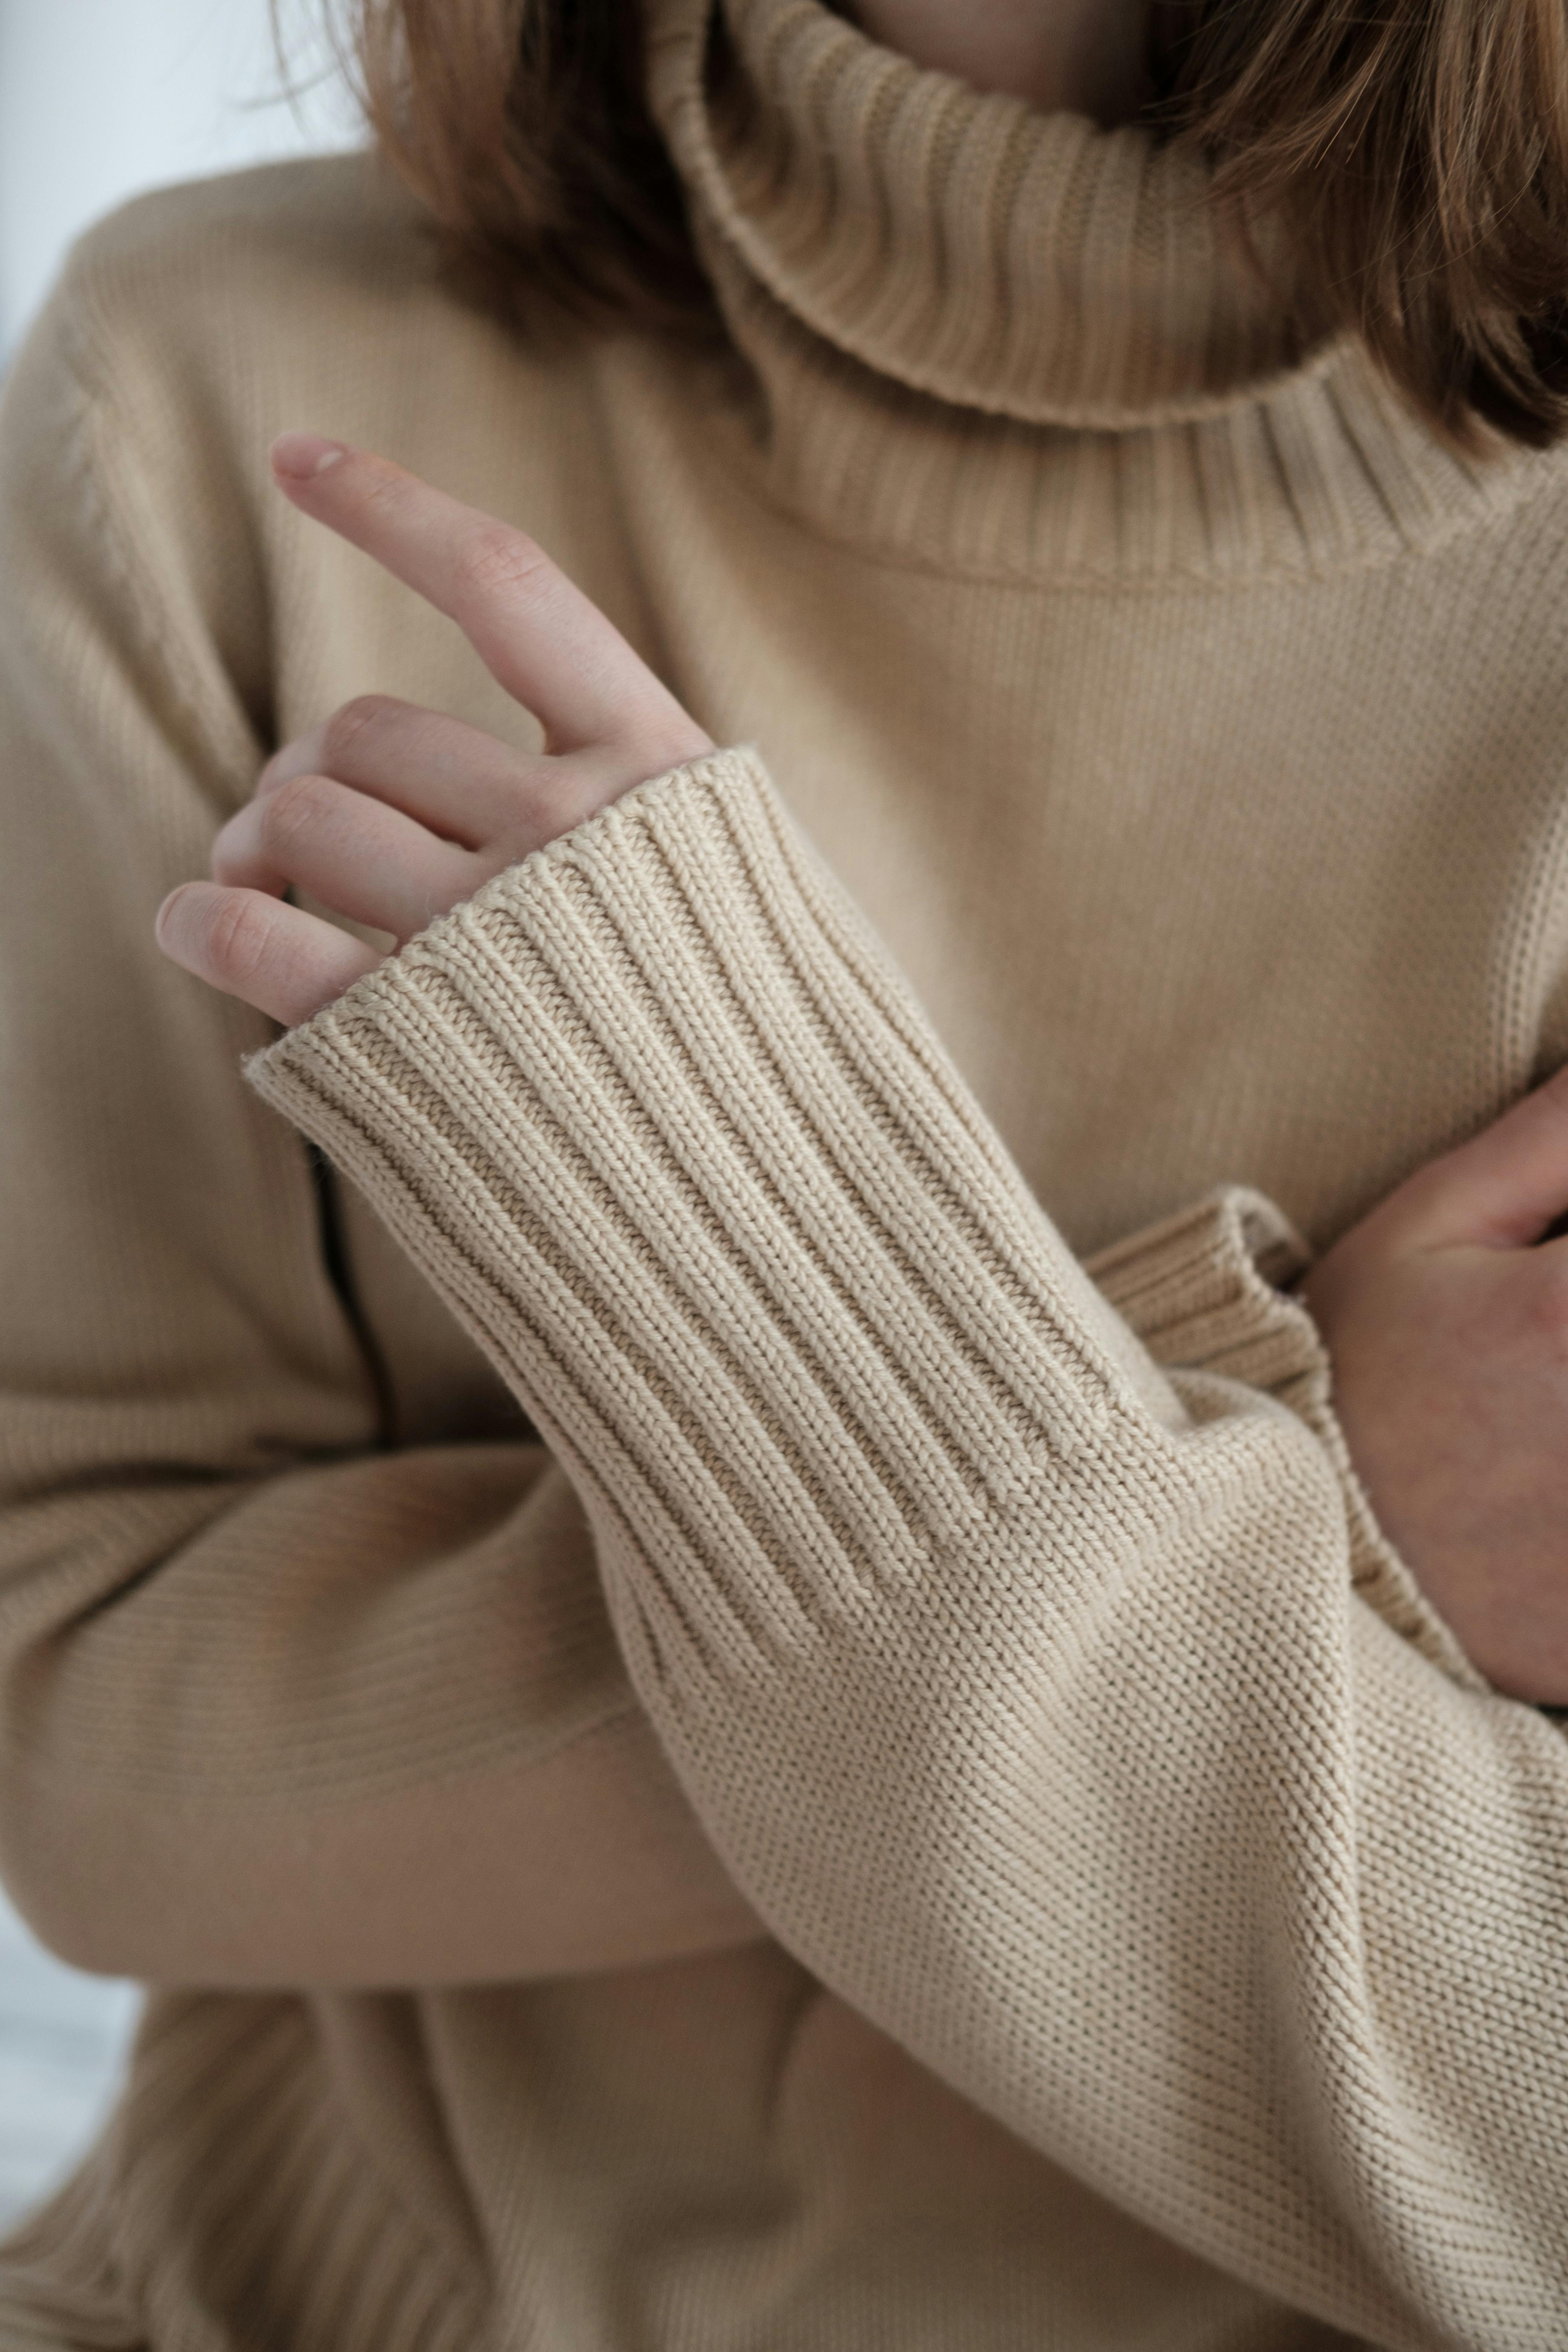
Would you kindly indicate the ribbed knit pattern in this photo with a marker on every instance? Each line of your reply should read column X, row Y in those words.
column 887, row 1537
column 284, row 2224
column 1027, row 264
column 780, row 1371
column 878, row 233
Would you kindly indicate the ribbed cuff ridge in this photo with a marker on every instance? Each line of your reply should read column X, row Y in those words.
column 1206, row 1291
column 687, row 1156
column 659, row 1114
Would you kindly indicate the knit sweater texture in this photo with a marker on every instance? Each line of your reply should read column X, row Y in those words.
column 780, row 1302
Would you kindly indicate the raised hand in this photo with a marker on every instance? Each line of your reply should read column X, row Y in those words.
column 392, row 815
column 1447, row 1317
column 1445, row 1313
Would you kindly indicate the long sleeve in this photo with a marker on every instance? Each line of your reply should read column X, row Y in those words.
column 1060, row 1713
column 230, row 1621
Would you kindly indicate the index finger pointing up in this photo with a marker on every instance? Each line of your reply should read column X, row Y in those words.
column 539, row 636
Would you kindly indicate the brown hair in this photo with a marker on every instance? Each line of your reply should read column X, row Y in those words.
column 1415, row 152
column 523, row 126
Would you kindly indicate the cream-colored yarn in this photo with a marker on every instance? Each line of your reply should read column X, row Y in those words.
column 891, row 1548
column 1165, row 1927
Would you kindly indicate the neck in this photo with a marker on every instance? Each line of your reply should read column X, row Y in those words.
column 1079, row 56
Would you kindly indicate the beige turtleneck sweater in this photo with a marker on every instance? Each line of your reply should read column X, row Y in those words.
column 869, row 1156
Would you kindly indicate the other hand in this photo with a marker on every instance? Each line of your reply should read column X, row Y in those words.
column 1446, row 1315
column 392, row 815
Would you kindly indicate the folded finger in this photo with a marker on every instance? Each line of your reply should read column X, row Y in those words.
column 286, row 962
column 358, row 856
column 454, row 779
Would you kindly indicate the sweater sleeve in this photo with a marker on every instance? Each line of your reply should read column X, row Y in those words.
column 1055, row 1710
column 231, row 1618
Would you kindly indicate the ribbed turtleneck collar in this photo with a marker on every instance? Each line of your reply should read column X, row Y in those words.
column 1015, row 343
column 1029, row 264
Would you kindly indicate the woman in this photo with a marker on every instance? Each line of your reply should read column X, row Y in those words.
column 935, row 1807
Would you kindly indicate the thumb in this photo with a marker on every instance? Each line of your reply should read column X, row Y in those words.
column 1502, row 1189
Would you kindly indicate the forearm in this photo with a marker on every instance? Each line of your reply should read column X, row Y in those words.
column 1036, row 1709
column 275, row 1706
column 584, row 1861
column 365, row 1725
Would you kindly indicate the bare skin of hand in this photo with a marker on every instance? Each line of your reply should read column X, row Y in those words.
column 1446, row 1319
column 393, row 814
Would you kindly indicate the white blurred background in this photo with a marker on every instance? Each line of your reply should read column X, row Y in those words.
column 99, row 100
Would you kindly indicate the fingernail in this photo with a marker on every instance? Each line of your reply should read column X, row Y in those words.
column 302, row 456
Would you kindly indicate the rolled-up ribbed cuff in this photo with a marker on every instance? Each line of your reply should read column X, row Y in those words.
column 1206, row 1291
column 661, row 1119
column 1204, row 1288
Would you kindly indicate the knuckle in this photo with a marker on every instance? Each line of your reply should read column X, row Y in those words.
column 348, row 725
column 285, row 813
column 240, row 934
column 492, row 560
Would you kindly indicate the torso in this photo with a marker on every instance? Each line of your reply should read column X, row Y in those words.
column 1255, row 878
